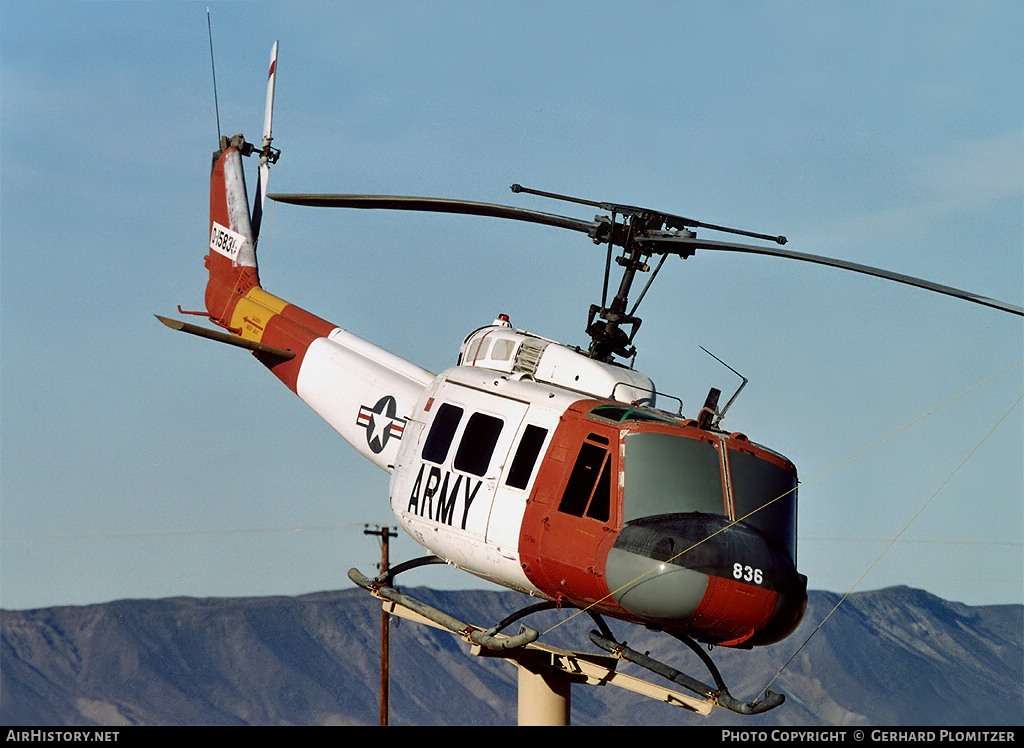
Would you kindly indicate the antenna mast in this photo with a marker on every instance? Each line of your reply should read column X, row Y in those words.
column 216, row 107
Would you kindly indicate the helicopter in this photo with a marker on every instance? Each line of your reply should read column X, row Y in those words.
column 554, row 470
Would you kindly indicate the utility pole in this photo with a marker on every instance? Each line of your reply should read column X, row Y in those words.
column 385, row 534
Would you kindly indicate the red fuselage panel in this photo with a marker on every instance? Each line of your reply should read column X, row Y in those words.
column 661, row 521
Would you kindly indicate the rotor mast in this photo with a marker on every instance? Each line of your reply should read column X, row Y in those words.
column 639, row 235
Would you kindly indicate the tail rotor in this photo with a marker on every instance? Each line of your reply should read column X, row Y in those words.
column 234, row 226
column 268, row 155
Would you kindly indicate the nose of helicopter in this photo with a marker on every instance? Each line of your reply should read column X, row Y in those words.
column 702, row 574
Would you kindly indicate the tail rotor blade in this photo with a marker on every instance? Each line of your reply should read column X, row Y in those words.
column 269, row 113
column 265, row 153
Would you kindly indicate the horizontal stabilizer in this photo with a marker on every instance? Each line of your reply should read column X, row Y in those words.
column 223, row 337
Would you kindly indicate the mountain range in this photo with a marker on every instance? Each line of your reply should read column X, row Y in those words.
column 892, row 657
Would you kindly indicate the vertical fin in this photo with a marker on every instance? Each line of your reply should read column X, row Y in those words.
column 232, row 254
column 233, row 230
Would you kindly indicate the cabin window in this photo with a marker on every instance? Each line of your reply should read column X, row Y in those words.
column 765, row 497
column 589, row 488
column 442, row 430
column 478, row 443
column 477, row 350
column 526, row 456
column 620, row 414
column 503, row 349
column 669, row 474
column 600, row 502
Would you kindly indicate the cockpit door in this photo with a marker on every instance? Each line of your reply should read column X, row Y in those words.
column 575, row 509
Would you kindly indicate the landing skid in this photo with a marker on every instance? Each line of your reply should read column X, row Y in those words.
column 381, row 587
column 719, row 695
column 492, row 641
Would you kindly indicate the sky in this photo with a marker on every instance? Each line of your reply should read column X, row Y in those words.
column 136, row 462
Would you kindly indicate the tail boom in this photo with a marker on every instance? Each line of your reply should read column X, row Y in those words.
column 364, row 392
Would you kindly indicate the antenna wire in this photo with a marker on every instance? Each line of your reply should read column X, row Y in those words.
column 213, row 70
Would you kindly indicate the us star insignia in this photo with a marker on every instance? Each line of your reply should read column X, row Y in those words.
column 381, row 423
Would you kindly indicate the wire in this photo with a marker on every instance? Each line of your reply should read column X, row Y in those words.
column 931, row 541
column 213, row 69
column 187, row 533
column 787, row 493
column 893, row 541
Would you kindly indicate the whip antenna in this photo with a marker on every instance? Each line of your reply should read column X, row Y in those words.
column 213, row 70
column 719, row 415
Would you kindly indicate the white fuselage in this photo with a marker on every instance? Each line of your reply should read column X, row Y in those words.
column 461, row 500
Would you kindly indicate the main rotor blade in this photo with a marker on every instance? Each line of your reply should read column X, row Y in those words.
column 436, row 205
column 694, row 244
column 660, row 243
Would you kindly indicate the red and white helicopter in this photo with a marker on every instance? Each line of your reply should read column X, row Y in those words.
column 535, row 465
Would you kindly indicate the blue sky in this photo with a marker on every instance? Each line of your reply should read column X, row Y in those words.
column 137, row 462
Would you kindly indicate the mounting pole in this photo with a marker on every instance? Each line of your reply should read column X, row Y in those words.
column 385, row 534
column 544, row 695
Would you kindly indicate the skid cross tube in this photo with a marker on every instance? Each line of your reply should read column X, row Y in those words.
column 471, row 633
column 414, row 563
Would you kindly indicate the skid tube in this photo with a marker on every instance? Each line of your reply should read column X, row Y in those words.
column 381, row 587
column 605, row 640
column 719, row 695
